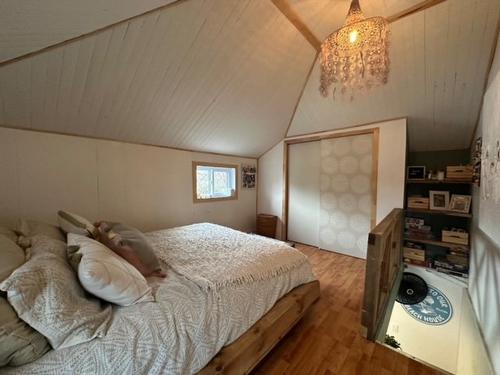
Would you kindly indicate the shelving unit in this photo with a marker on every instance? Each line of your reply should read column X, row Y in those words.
column 438, row 212
column 437, row 251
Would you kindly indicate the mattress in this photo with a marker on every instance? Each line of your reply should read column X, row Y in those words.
column 178, row 334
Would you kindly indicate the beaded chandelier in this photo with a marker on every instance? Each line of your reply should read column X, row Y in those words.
column 356, row 56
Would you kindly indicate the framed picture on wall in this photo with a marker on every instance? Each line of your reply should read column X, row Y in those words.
column 439, row 200
column 248, row 176
column 416, row 172
column 460, row 203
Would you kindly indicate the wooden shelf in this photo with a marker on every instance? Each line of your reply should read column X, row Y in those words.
column 438, row 212
column 445, row 181
column 435, row 243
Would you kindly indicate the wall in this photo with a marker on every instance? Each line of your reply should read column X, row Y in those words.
column 391, row 171
column 438, row 160
column 484, row 282
column 145, row 186
column 270, row 184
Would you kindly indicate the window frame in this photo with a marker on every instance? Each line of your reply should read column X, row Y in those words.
column 197, row 164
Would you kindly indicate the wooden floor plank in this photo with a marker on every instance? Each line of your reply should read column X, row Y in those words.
column 327, row 341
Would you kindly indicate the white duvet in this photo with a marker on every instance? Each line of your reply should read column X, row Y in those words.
column 177, row 334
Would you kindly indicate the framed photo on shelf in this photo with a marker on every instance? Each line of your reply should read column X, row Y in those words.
column 439, row 200
column 460, row 203
column 416, row 172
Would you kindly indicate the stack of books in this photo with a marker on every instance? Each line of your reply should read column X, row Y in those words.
column 416, row 228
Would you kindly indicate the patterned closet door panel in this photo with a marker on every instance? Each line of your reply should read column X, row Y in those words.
column 345, row 194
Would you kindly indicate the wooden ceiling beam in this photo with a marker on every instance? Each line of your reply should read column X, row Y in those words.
column 414, row 9
column 285, row 8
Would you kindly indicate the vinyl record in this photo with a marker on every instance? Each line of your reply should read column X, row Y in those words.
column 412, row 290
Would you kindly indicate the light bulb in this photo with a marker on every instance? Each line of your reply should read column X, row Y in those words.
column 353, row 36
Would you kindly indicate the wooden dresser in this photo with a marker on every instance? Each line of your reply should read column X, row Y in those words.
column 266, row 225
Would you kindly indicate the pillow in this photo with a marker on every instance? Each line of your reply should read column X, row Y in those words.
column 29, row 228
column 73, row 223
column 12, row 257
column 10, row 234
column 132, row 245
column 108, row 276
column 19, row 343
column 46, row 294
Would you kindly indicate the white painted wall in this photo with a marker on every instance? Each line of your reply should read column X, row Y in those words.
column 304, row 193
column 270, row 184
column 484, row 279
column 144, row 186
column 391, row 171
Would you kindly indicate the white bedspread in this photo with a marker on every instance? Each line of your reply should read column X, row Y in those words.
column 179, row 333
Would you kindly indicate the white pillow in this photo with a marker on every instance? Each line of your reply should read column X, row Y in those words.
column 108, row 276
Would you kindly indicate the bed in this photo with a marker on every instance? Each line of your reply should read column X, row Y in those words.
column 228, row 298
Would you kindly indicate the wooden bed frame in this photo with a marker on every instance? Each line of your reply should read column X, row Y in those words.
column 249, row 349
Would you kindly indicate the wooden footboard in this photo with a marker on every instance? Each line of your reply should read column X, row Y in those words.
column 245, row 353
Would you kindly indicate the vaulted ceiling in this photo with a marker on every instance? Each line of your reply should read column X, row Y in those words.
column 226, row 75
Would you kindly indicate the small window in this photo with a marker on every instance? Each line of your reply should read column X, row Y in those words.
column 214, row 182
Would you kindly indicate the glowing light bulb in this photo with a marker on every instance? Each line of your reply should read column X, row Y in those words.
column 353, row 36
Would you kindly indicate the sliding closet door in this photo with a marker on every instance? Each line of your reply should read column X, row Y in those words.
column 303, row 202
column 345, row 199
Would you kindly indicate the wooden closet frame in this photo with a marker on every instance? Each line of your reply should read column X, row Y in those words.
column 313, row 137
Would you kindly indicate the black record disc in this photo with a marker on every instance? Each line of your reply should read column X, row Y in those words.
column 412, row 290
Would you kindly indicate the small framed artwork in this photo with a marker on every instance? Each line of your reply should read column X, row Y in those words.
column 416, row 172
column 249, row 173
column 460, row 203
column 439, row 200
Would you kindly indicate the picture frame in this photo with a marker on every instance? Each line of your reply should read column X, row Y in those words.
column 439, row 200
column 416, row 172
column 460, row 203
column 248, row 176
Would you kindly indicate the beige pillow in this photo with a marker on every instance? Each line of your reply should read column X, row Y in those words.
column 132, row 245
column 29, row 228
column 73, row 223
column 10, row 234
column 11, row 255
column 46, row 294
column 19, row 343
column 107, row 275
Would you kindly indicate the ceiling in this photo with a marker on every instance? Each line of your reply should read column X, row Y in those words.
column 30, row 25
column 225, row 76
column 439, row 62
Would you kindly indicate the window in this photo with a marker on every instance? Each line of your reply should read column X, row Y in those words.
column 214, row 182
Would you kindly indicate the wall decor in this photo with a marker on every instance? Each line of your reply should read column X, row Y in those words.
column 248, row 176
column 476, row 161
column 439, row 200
column 460, row 203
column 416, row 172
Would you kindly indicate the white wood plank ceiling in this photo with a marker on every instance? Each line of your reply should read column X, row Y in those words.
column 221, row 76
column 30, row 25
column 439, row 63
column 225, row 75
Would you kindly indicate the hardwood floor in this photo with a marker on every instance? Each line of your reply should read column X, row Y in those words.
column 328, row 340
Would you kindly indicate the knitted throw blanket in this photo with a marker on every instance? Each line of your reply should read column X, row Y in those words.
column 213, row 256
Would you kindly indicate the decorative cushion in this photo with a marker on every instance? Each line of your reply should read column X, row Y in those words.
column 19, row 343
column 132, row 245
column 46, row 294
column 29, row 228
column 12, row 257
column 73, row 223
column 107, row 275
column 10, row 234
